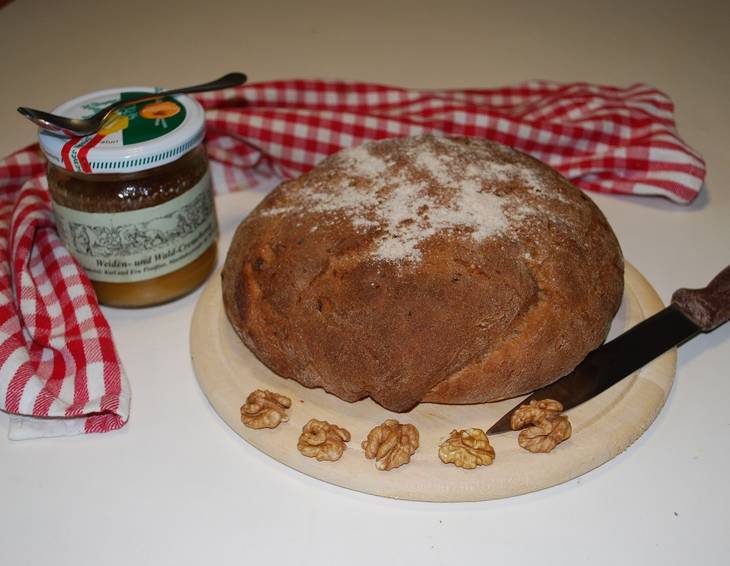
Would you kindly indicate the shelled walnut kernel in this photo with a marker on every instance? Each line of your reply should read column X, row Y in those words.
column 265, row 409
column 467, row 449
column 546, row 427
column 322, row 440
column 391, row 444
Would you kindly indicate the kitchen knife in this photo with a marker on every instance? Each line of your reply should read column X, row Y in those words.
column 691, row 311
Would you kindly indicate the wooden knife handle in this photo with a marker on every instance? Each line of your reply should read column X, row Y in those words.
column 708, row 308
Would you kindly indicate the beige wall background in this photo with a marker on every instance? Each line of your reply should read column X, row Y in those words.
column 54, row 50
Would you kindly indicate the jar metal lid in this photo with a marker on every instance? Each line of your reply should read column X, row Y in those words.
column 138, row 137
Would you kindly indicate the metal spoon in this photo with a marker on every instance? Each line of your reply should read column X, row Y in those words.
column 87, row 126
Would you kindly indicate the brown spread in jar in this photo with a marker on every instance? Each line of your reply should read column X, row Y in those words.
column 134, row 203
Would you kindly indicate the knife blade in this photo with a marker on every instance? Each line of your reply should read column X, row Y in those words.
column 691, row 312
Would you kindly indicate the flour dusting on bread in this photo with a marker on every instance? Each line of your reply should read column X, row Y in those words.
column 392, row 192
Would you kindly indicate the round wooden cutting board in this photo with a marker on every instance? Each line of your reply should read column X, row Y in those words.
column 602, row 428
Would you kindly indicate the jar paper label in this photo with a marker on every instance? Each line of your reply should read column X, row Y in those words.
column 125, row 247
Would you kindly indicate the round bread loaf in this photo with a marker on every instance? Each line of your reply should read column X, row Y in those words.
column 447, row 270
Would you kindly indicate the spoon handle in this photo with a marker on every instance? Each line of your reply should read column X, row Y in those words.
column 226, row 81
column 75, row 127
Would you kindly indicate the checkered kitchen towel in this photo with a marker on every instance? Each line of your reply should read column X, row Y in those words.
column 59, row 371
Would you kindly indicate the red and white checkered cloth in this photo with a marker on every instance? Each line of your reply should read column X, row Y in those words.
column 59, row 371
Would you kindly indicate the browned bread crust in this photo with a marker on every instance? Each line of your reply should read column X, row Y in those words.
column 424, row 269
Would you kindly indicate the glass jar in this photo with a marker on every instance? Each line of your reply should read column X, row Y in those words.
column 134, row 202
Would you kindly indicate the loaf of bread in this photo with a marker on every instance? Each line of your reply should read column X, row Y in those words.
column 445, row 270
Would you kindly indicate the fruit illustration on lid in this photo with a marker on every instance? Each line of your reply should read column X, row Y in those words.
column 158, row 111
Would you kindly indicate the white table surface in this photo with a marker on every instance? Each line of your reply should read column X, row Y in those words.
column 176, row 486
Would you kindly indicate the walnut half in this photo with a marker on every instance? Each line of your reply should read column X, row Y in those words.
column 391, row 444
column 265, row 409
column 322, row 440
column 546, row 427
column 467, row 449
